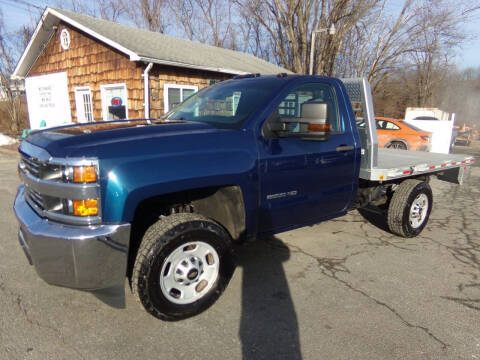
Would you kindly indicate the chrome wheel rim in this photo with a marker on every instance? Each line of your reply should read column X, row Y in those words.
column 418, row 211
column 189, row 272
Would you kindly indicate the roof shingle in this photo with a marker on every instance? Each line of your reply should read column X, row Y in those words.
column 163, row 48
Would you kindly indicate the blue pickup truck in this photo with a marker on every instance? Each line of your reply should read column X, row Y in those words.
column 163, row 201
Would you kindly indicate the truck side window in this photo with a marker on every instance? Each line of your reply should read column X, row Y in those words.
column 311, row 92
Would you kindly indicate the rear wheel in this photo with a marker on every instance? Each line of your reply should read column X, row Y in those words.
column 183, row 265
column 410, row 208
column 397, row 145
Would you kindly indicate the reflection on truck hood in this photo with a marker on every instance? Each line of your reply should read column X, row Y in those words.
column 111, row 125
column 101, row 138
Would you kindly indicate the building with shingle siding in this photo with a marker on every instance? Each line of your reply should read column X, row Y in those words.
column 79, row 68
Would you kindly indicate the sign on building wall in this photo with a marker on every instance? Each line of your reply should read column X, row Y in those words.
column 47, row 100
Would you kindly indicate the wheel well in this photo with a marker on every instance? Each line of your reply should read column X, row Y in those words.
column 223, row 204
column 397, row 140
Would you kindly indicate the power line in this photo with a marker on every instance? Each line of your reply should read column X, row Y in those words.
column 16, row 7
column 23, row 2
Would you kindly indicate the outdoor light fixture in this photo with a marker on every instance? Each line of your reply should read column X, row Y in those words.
column 330, row 31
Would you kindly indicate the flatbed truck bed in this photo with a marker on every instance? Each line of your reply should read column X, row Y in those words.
column 394, row 164
column 383, row 165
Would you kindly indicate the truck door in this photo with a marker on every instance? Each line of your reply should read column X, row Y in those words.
column 301, row 180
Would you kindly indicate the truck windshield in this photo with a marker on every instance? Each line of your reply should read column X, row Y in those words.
column 226, row 105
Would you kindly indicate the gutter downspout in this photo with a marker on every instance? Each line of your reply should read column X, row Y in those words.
column 146, row 92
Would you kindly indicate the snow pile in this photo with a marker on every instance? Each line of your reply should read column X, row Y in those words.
column 6, row 140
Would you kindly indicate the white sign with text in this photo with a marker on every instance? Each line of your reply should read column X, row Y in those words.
column 47, row 100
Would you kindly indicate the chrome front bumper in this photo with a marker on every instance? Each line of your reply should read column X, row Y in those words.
column 81, row 257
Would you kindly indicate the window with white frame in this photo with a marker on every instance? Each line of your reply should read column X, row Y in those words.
column 174, row 94
column 114, row 101
column 84, row 104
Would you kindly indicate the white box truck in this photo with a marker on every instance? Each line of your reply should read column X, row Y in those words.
column 438, row 122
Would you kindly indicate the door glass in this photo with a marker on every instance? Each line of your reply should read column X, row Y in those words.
column 291, row 106
column 115, row 106
column 391, row 126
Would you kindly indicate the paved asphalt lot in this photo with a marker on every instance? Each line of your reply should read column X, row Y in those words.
column 344, row 289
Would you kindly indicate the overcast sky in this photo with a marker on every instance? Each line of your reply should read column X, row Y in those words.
column 16, row 13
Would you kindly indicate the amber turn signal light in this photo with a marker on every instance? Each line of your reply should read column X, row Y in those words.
column 319, row 127
column 84, row 174
column 85, row 207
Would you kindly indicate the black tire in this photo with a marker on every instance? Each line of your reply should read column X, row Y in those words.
column 397, row 145
column 400, row 208
column 170, row 235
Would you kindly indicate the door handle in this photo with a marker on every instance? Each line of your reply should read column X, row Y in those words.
column 344, row 148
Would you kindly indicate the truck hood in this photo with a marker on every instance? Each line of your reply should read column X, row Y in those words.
column 97, row 140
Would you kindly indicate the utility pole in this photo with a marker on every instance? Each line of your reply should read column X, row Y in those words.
column 331, row 31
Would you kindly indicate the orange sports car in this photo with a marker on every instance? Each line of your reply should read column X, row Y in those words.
column 396, row 134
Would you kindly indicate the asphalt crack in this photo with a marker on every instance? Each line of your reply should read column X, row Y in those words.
column 331, row 266
column 35, row 323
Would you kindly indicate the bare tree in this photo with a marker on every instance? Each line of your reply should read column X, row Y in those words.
column 289, row 24
column 146, row 14
column 206, row 21
column 377, row 44
column 8, row 57
column 111, row 10
column 435, row 43
column 253, row 37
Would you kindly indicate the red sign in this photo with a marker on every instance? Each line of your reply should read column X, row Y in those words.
column 116, row 101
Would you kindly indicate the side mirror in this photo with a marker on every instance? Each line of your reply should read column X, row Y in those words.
column 313, row 125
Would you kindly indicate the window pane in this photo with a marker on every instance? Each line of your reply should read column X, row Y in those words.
column 291, row 106
column 391, row 126
column 87, row 102
column 187, row 93
column 173, row 98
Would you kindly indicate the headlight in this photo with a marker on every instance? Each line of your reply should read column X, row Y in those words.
column 84, row 174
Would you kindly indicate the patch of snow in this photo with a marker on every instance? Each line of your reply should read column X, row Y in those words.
column 6, row 140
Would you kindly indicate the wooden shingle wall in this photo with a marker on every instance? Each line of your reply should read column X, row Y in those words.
column 161, row 75
column 91, row 63
column 88, row 62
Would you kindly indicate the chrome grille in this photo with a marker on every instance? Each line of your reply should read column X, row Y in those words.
column 36, row 198
column 32, row 166
column 44, row 171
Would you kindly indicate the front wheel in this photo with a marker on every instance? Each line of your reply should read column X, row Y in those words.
column 410, row 208
column 183, row 265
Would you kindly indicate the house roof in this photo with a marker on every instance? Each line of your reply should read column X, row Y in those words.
column 142, row 45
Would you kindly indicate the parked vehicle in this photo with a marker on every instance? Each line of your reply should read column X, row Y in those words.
column 438, row 122
column 463, row 135
column 396, row 134
column 162, row 201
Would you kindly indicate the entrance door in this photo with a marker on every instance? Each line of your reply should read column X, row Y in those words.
column 83, row 102
column 114, row 102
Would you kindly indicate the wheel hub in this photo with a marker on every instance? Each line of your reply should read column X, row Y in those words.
column 188, row 270
column 418, row 211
